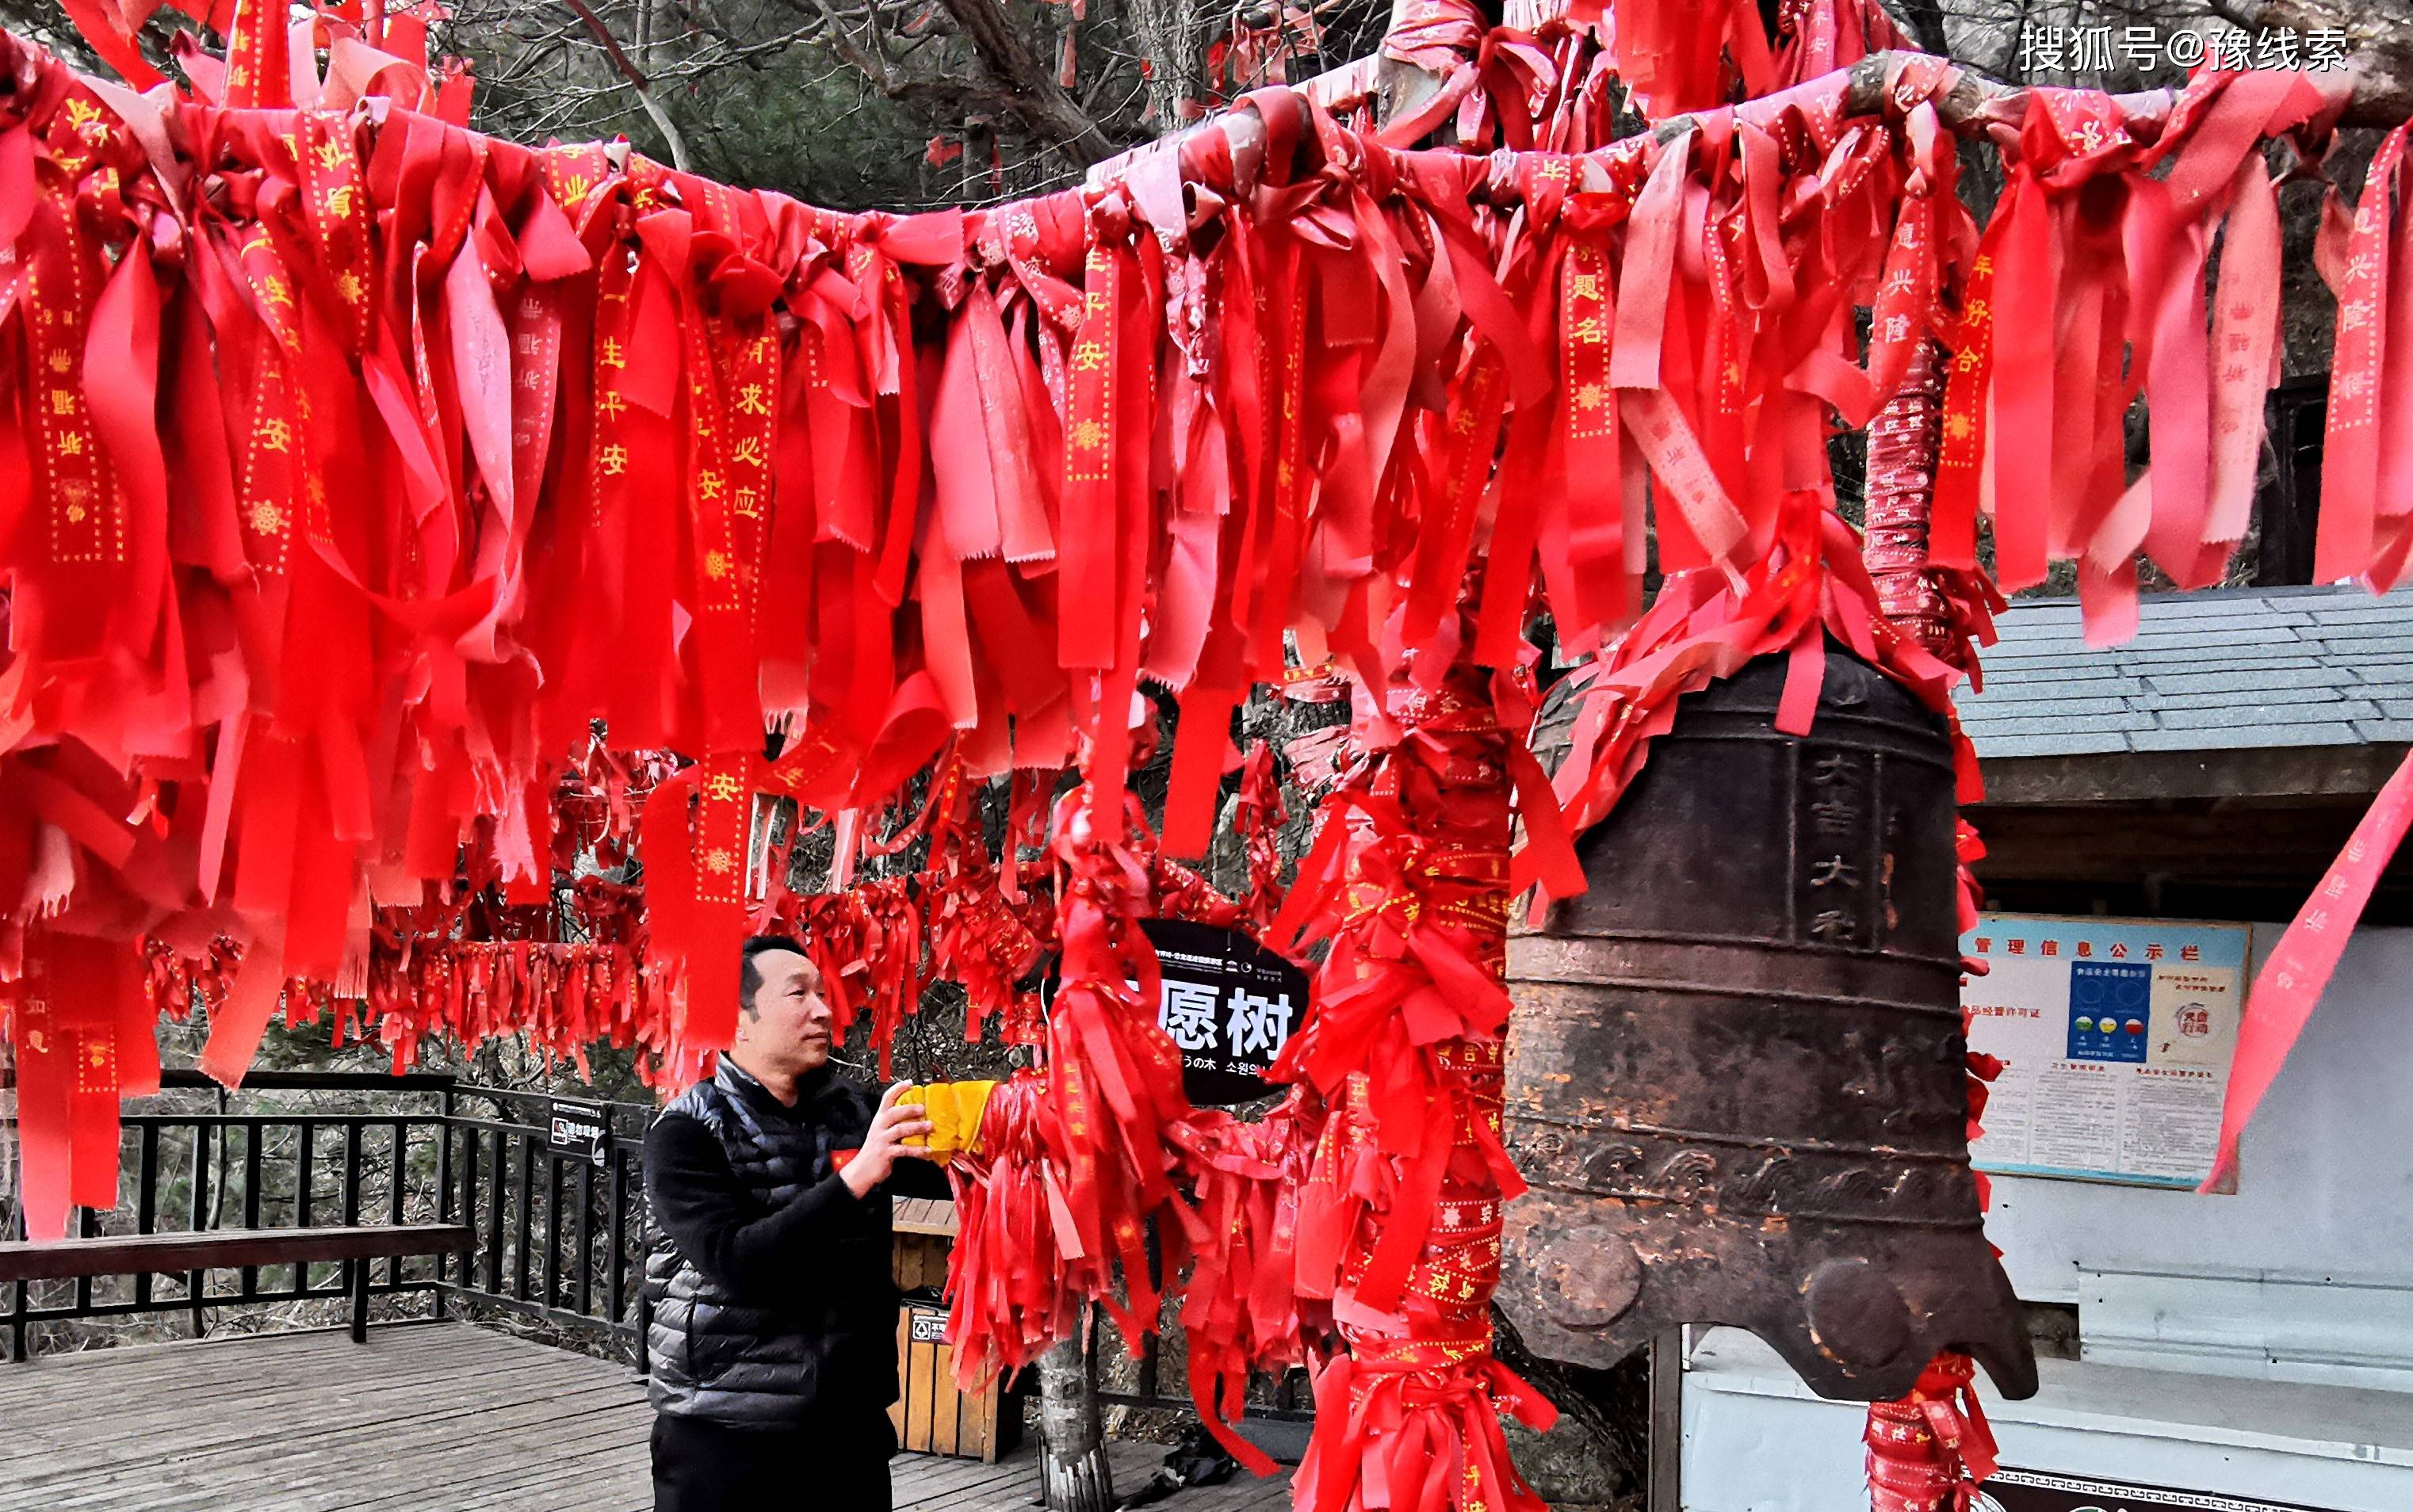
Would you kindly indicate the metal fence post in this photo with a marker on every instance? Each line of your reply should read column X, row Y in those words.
column 1666, row 1453
column 444, row 1196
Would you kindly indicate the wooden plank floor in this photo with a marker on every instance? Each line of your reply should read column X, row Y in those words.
column 443, row 1417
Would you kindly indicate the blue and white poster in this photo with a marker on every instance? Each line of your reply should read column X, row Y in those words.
column 2115, row 1037
column 2109, row 1000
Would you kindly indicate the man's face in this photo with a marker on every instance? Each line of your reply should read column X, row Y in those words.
column 789, row 1026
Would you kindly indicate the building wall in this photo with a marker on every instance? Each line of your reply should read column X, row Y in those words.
column 1755, row 1440
column 2325, row 1175
column 2258, row 1343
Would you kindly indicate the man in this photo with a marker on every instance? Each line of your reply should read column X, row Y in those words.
column 774, row 1337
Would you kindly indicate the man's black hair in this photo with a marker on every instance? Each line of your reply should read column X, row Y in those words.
column 750, row 977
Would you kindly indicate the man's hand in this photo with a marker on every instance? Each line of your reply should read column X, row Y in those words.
column 894, row 1124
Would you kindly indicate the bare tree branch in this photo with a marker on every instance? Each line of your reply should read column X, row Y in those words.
column 1034, row 96
column 1170, row 36
column 871, row 62
column 1924, row 21
column 637, row 82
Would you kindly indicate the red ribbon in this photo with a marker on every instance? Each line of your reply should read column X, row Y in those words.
column 1929, row 1451
column 2352, row 439
column 2288, row 986
column 84, row 1034
column 258, row 73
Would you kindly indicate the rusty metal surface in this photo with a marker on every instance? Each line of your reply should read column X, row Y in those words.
column 1735, row 1075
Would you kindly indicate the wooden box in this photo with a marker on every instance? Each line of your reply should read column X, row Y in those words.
column 930, row 1415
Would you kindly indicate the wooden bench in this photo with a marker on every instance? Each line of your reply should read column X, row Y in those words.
column 137, row 1254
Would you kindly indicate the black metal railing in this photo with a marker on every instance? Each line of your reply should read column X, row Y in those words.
column 1128, row 1380
column 555, row 1225
column 555, row 1230
column 1125, row 1378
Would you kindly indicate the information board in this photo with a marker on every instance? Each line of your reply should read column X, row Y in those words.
column 2036, row 1491
column 2116, row 1037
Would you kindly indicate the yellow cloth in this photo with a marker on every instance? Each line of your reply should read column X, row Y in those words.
column 953, row 1110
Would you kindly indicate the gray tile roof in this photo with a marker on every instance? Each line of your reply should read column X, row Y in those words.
column 2211, row 671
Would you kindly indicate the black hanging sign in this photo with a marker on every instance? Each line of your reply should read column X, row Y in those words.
column 1228, row 1003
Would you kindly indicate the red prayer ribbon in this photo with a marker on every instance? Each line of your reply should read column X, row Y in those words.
column 2288, row 986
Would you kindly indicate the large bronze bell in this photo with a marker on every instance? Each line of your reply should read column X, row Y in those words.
column 1736, row 1074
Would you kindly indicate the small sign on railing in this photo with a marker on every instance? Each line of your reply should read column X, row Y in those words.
column 583, row 1130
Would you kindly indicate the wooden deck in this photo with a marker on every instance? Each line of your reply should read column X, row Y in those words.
column 442, row 1418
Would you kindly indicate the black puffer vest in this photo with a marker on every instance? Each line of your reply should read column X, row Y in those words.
column 833, row 1345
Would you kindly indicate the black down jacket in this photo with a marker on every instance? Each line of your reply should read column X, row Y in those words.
column 772, row 1286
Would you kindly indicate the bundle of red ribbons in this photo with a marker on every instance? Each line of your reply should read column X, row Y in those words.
column 356, row 462
column 836, row 466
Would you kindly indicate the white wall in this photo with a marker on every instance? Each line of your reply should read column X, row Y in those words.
column 1755, row 1440
column 2325, row 1174
column 2325, row 1189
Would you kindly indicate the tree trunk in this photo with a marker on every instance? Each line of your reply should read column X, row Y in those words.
column 1446, row 793
column 1073, row 1476
column 1599, row 1453
column 1404, row 87
column 1031, row 92
column 1170, row 37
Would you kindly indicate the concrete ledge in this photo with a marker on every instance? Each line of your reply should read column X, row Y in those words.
column 1758, row 1440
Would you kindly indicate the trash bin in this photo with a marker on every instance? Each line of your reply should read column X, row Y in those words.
column 930, row 1415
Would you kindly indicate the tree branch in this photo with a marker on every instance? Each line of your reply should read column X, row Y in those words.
column 735, row 49
column 1012, row 79
column 1035, row 98
column 1924, row 21
column 2378, row 86
column 1403, row 88
column 871, row 62
column 637, row 82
